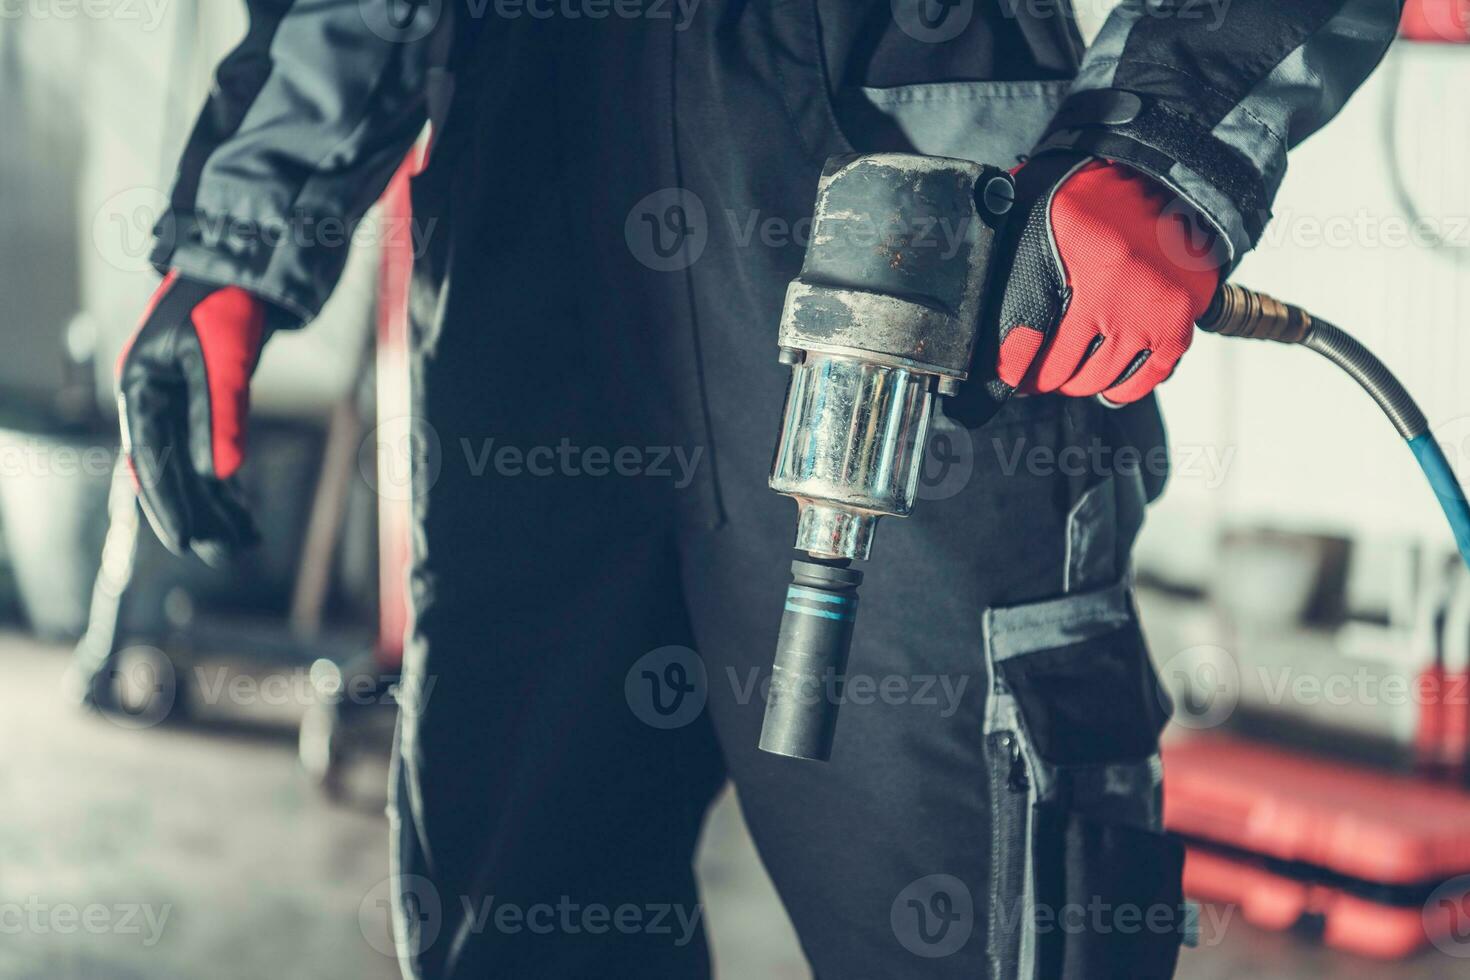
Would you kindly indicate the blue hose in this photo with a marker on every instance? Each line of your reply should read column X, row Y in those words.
column 1240, row 312
column 1451, row 496
column 1377, row 380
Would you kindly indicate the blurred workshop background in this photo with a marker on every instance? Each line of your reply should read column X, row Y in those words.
column 192, row 762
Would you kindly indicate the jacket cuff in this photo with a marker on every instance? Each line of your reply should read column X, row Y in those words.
column 1172, row 148
column 293, row 273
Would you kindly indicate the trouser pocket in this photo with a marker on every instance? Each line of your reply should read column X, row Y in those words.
column 1084, row 882
column 1109, row 903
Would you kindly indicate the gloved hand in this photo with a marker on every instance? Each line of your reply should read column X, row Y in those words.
column 1102, row 287
column 184, row 392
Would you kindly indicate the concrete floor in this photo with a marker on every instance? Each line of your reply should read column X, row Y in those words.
column 174, row 854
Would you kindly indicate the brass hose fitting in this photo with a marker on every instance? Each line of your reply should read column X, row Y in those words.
column 1239, row 312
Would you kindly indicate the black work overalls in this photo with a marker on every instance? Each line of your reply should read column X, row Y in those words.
column 620, row 202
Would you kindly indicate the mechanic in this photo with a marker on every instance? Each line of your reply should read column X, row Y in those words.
column 592, row 277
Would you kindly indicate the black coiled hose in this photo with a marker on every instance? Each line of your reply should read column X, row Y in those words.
column 1240, row 312
column 1342, row 349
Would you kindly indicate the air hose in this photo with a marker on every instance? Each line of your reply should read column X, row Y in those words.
column 1240, row 312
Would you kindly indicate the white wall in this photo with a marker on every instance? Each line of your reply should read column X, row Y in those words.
column 1310, row 450
column 40, row 145
column 102, row 106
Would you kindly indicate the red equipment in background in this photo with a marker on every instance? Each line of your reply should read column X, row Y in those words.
column 1441, row 21
column 1380, row 860
column 337, row 727
column 1442, row 737
column 395, row 407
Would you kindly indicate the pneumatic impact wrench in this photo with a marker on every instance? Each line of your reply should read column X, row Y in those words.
column 883, row 318
column 887, row 313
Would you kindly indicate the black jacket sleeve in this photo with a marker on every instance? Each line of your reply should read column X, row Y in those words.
column 1209, row 96
column 307, row 121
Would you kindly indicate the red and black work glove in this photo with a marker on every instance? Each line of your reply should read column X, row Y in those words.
column 1103, row 281
column 183, row 395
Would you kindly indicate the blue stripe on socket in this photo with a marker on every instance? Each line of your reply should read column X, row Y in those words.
column 809, row 611
column 796, row 590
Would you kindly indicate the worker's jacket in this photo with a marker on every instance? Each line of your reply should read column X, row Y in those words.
column 318, row 105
